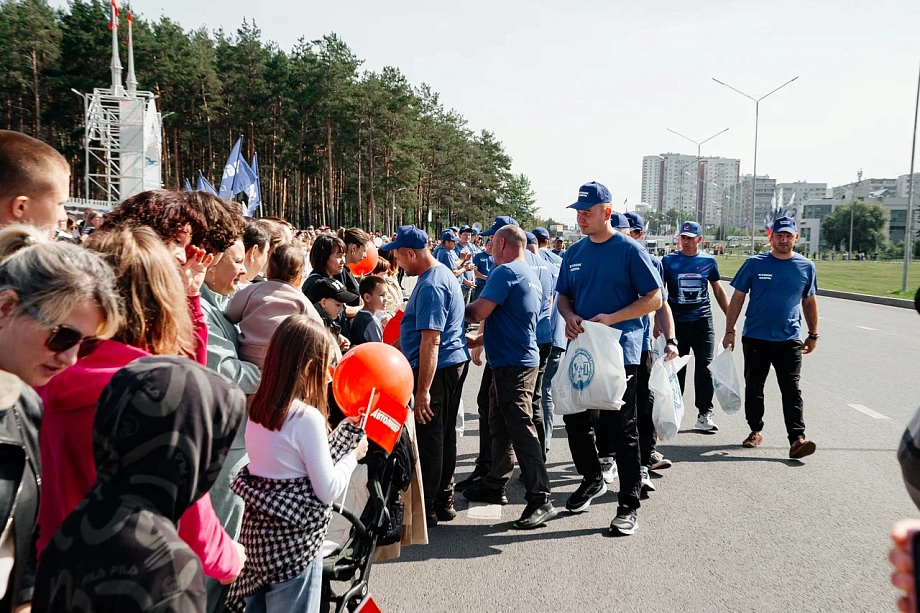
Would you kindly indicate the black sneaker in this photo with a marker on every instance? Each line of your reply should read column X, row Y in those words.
column 625, row 522
column 431, row 518
column 444, row 511
column 535, row 515
column 475, row 479
column 586, row 492
column 481, row 493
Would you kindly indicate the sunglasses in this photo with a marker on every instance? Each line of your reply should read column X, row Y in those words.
column 64, row 338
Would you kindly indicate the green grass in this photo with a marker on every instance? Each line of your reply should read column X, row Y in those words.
column 873, row 278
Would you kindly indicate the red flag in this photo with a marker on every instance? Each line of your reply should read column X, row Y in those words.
column 368, row 606
column 113, row 19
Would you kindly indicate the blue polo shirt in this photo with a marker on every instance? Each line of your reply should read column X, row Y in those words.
column 557, row 324
column 775, row 290
column 547, row 284
column 435, row 304
column 687, row 279
column 606, row 277
column 484, row 263
column 510, row 334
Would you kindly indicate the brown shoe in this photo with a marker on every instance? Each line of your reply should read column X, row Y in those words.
column 802, row 448
column 754, row 439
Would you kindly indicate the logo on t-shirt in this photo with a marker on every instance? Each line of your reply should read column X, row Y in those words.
column 574, row 266
column 765, row 276
column 581, row 369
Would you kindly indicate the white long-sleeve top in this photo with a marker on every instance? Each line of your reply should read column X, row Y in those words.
column 300, row 448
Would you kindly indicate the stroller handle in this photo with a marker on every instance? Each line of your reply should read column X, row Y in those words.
column 351, row 517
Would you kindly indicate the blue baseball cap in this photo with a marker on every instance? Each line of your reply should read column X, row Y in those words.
column 464, row 228
column 618, row 220
column 531, row 238
column 590, row 194
column 454, row 229
column 499, row 223
column 541, row 233
column 407, row 237
column 475, row 232
column 448, row 235
column 635, row 221
column 691, row 228
column 785, row 224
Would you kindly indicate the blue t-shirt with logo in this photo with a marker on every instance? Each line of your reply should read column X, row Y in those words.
column 484, row 263
column 558, row 252
column 648, row 328
column 557, row 324
column 510, row 335
column 472, row 250
column 541, row 268
column 606, row 277
column 687, row 279
column 448, row 257
column 435, row 304
column 775, row 290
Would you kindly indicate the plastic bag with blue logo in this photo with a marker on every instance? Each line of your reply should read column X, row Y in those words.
column 725, row 382
column 592, row 374
column 668, row 410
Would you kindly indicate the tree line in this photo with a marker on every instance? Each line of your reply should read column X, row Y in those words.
column 337, row 145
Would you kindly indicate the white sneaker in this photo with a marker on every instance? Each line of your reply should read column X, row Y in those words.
column 625, row 522
column 645, row 481
column 609, row 470
column 704, row 422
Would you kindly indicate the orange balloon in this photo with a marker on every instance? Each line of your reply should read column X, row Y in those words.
column 371, row 366
column 365, row 266
column 391, row 332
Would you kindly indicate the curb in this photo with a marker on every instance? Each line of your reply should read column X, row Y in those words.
column 902, row 303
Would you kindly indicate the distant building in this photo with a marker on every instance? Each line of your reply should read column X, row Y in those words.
column 814, row 212
column 866, row 189
column 803, row 191
column 737, row 202
column 903, row 187
column 693, row 186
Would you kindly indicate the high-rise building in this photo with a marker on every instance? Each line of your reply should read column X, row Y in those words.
column 737, row 202
column 867, row 189
column 693, row 186
column 803, row 192
column 903, row 188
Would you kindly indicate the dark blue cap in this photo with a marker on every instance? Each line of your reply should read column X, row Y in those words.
column 464, row 228
column 691, row 228
column 635, row 221
column 560, row 238
column 541, row 233
column 590, row 194
column 785, row 224
column 454, row 228
column 499, row 223
column 618, row 220
column 475, row 232
column 408, row 237
column 531, row 238
column 448, row 235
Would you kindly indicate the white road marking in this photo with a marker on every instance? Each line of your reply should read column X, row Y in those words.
column 479, row 510
column 866, row 328
column 867, row 411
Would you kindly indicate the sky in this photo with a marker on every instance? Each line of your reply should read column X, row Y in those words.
column 581, row 90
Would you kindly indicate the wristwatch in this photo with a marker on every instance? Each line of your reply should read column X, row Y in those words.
column 813, row 337
column 672, row 341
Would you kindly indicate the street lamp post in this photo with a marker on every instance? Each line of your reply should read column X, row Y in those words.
column 756, row 130
column 699, row 146
column 910, row 194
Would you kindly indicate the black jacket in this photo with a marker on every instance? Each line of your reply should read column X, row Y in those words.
column 20, row 482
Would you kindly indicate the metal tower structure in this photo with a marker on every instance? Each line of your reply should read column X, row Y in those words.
column 123, row 139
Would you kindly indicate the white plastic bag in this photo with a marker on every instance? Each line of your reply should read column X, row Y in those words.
column 461, row 420
column 668, row 410
column 658, row 346
column 592, row 374
column 725, row 382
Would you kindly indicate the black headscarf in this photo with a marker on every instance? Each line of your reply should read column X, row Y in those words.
column 162, row 430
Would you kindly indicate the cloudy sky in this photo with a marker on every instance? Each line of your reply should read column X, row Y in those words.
column 581, row 90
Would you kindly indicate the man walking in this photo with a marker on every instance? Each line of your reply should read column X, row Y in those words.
column 688, row 275
column 432, row 339
column 607, row 278
column 557, row 334
column 782, row 285
column 509, row 307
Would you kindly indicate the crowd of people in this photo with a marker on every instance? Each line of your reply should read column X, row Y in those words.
column 168, row 435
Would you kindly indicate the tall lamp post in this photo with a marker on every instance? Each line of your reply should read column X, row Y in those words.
column 756, row 129
column 910, row 194
column 699, row 145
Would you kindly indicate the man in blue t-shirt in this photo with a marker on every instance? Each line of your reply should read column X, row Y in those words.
column 483, row 263
column 607, row 278
column 782, row 285
column 446, row 254
column 432, row 339
column 559, row 246
column 688, row 275
column 557, row 344
column 465, row 251
column 509, row 307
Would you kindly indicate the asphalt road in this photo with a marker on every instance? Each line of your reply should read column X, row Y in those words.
column 729, row 529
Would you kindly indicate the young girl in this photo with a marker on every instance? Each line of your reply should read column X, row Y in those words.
column 296, row 470
column 261, row 307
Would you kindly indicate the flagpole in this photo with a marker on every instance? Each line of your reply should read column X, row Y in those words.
column 910, row 195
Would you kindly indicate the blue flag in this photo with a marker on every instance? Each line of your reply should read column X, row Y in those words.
column 188, row 186
column 254, row 193
column 244, row 181
column 230, row 170
column 204, row 185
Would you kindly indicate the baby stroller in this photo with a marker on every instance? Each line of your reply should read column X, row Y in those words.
column 380, row 523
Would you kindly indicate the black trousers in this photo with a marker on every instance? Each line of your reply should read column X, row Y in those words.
column 437, row 439
column 699, row 336
column 644, row 405
column 514, row 434
column 484, row 459
column 786, row 359
column 538, row 395
column 618, row 427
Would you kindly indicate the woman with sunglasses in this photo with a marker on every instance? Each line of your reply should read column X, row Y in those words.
column 56, row 301
column 161, row 311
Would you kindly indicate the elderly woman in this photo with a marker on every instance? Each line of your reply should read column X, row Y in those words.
column 57, row 301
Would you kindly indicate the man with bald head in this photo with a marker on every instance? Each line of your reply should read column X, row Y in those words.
column 509, row 306
column 34, row 182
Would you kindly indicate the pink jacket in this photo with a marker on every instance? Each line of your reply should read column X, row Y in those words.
column 68, row 465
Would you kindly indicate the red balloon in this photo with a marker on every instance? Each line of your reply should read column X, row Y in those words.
column 367, row 367
column 365, row 266
column 391, row 332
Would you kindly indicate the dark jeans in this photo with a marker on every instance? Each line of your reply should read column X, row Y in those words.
column 545, row 350
column 617, row 427
column 484, row 459
column 514, row 433
column 549, row 409
column 786, row 359
column 644, row 405
column 437, row 439
column 699, row 336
